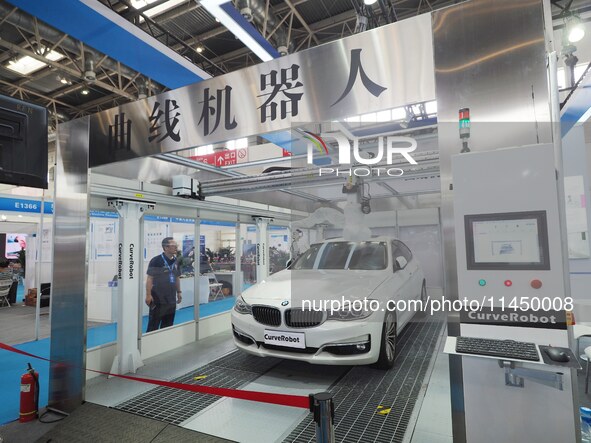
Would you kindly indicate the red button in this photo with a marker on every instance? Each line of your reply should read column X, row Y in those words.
column 508, row 283
column 536, row 284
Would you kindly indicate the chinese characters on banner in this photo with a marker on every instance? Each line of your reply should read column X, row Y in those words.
column 287, row 85
column 170, row 121
column 281, row 93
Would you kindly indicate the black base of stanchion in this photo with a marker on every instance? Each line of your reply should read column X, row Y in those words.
column 49, row 410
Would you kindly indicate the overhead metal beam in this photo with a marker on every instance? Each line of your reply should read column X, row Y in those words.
column 302, row 21
column 70, row 71
column 38, row 94
column 106, row 31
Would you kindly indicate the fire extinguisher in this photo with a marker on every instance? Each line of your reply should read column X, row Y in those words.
column 29, row 395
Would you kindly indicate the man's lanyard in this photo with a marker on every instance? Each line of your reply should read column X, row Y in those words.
column 170, row 269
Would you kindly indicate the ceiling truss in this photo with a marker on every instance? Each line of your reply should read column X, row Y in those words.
column 307, row 23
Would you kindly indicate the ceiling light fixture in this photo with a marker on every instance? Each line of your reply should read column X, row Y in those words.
column 26, row 64
column 369, row 2
column 158, row 9
column 85, row 91
column 63, row 80
column 214, row 7
column 199, row 49
column 574, row 29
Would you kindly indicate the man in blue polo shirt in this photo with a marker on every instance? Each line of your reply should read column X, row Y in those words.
column 163, row 287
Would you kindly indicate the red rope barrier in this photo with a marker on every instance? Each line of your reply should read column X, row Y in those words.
column 296, row 401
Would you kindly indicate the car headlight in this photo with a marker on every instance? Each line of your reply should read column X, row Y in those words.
column 348, row 313
column 242, row 307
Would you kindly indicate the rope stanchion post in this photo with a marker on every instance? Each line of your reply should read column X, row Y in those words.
column 322, row 406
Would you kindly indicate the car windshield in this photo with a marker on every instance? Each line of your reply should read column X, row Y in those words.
column 369, row 255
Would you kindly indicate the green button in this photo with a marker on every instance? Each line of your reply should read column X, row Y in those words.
column 482, row 282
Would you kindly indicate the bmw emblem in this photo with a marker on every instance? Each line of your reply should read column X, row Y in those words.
column 284, row 302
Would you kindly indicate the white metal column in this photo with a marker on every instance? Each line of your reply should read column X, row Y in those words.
column 196, row 270
column 128, row 357
column 262, row 253
column 237, row 280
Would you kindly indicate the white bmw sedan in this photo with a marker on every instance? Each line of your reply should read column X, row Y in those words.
column 322, row 309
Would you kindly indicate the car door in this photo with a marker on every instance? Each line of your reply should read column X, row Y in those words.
column 401, row 281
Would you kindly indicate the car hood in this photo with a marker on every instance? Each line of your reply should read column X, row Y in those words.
column 314, row 284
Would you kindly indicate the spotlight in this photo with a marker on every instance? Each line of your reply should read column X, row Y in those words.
column 199, row 49
column 369, row 2
column 575, row 29
column 246, row 13
column 85, row 91
column 63, row 80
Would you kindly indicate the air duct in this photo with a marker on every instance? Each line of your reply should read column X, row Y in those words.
column 254, row 11
column 142, row 89
column 89, row 74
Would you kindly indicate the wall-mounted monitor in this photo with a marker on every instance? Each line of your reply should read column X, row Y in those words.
column 14, row 243
column 23, row 143
column 507, row 241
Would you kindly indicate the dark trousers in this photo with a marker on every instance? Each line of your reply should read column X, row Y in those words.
column 161, row 316
column 12, row 293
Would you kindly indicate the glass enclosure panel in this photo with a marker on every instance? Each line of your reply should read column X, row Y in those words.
column 217, row 266
column 103, row 296
column 248, row 237
column 279, row 243
column 164, row 306
column 183, row 232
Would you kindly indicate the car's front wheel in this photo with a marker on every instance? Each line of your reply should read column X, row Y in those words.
column 388, row 346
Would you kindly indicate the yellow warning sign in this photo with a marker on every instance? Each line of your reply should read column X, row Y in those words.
column 200, row 377
column 139, row 195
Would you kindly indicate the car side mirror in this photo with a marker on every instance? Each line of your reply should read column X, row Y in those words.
column 401, row 262
column 288, row 263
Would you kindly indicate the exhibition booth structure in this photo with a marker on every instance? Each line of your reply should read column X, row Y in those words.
column 349, row 187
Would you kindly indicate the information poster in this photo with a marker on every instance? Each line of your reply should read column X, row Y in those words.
column 576, row 217
column 46, row 242
column 105, row 239
column 14, row 244
column 154, row 233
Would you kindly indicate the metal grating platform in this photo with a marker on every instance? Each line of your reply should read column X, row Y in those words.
column 359, row 393
column 175, row 406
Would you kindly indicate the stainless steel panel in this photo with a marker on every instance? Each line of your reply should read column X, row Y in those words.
column 489, row 56
column 388, row 56
column 69, row 283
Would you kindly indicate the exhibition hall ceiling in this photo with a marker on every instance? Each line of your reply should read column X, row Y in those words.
column 41, row 64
